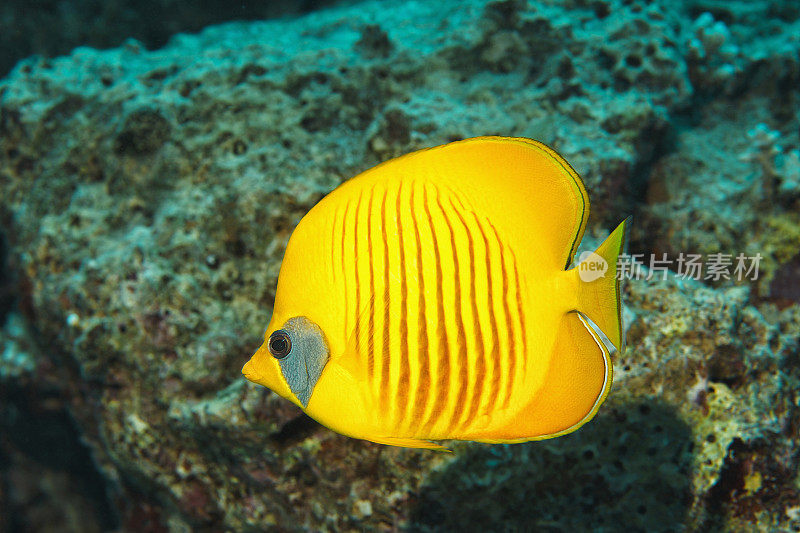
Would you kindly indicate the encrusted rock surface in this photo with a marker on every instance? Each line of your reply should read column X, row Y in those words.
column 147, row 198
column 55, row 28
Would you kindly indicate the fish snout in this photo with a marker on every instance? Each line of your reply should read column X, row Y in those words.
column 249, row 371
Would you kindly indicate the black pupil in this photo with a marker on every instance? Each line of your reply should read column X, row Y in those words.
column 278, row 345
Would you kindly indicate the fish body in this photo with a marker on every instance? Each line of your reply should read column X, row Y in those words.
column 430, row 298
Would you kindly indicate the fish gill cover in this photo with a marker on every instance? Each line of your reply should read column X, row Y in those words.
column 147, row 198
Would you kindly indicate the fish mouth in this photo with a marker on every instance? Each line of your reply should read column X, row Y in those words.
column 250, row 373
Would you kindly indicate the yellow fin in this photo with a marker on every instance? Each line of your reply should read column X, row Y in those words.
column 577, row 381
column 599, row 298
column 536, row 199
column 410, row 443
column 531, row 194
column 356, row 358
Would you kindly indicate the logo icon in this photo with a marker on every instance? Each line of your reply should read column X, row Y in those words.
column 591, row 266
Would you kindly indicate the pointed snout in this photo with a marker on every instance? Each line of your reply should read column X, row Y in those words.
column 263, row 369
column 249, row 371
column 256, row 369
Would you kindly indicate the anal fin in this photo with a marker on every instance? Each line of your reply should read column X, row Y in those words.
column 576, row 383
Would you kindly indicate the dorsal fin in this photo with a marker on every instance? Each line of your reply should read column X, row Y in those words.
column 533, row 196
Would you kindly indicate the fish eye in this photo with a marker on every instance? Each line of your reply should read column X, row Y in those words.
column 280, row 344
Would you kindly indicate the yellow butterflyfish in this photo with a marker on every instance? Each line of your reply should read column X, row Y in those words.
column 431, row 298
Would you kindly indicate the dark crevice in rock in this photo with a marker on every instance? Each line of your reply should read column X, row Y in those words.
column 784, row 287
column 753, row 477
column 39, row 438
column 374, row 42
column 143, row 133
column 6, row 293
column 295, row 430
column 655, row 142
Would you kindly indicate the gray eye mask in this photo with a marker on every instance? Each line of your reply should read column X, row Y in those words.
column 308, row 356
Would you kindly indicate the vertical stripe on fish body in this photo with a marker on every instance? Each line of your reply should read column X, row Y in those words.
column 440, row 334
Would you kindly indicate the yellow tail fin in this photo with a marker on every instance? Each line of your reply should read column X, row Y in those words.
column 599, row 298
